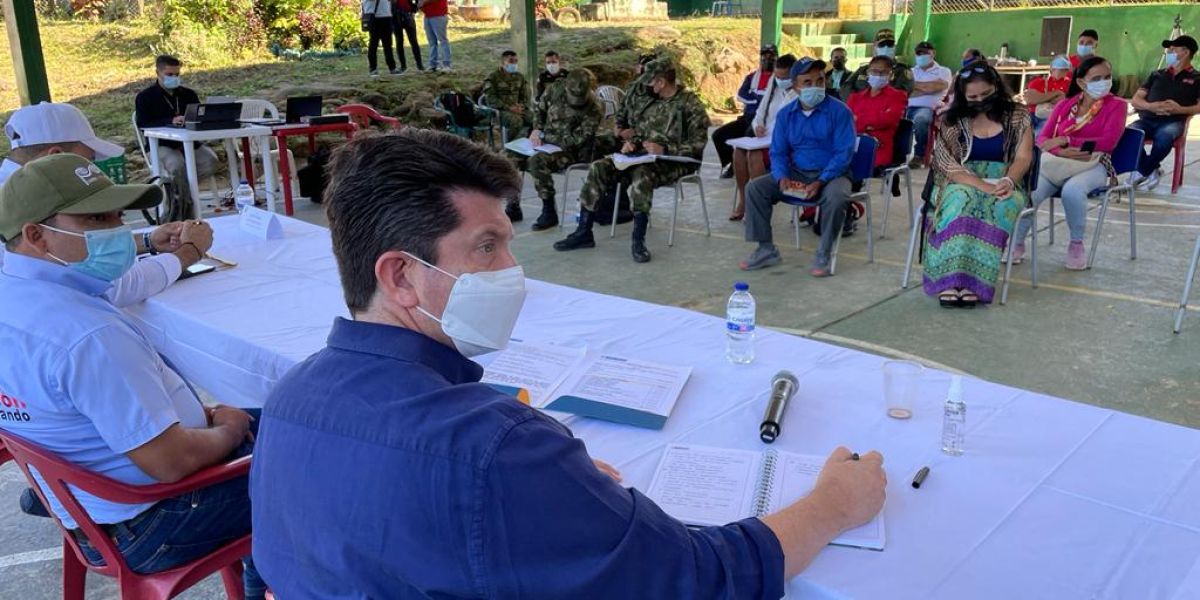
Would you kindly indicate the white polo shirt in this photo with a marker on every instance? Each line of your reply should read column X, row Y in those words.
column 81, row 380
column 935, row 72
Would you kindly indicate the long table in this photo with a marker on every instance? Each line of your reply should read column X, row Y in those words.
column 1053, row 499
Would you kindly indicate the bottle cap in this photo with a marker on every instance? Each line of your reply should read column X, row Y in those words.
column 741, row 286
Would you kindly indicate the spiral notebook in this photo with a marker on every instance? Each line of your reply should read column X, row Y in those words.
column 700, row 485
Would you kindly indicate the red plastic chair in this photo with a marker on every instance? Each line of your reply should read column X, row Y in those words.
column 58, row 473
column 366, row 116
column 1180, row 144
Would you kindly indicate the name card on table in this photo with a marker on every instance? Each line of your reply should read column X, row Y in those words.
column 261, row 224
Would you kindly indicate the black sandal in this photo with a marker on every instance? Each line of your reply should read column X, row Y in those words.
column 949, row 299
column 968, row 300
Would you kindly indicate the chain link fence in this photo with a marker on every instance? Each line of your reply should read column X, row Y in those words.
column 955, row 6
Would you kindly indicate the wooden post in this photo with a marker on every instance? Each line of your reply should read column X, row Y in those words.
column 772, row 22
column 523, row 19
column 25, row 44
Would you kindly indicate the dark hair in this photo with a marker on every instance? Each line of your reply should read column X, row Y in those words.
column 645, row 59
column 166, row 60
column 670, row 75
column 1080, row 73
column 507, row 53
column 394, row 192
column 890, row 62
column 550, row 53
column 785, row 62
column 1002, row 107
column 1090, row 33
column 975, row 53
column 836, row 49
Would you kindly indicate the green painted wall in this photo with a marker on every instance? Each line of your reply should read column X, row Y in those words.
column 1130, row 37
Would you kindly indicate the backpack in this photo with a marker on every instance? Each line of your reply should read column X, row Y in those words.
column 461, row 109
column 312, row 176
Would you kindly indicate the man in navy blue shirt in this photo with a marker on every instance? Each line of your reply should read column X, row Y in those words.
column 749, row 95
column 384, row 469
column 810, row 159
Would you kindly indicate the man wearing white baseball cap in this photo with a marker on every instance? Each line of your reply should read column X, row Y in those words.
column 50, row 128
column 56, row 128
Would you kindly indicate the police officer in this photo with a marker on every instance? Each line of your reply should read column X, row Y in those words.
column 673, row 124
column 567, row 115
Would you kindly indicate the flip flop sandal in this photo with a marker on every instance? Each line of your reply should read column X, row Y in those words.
column 949, row 300
column 968, row 300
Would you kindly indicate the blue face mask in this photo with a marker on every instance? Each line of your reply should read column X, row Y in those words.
column 1099, row 88
column 1085, row 50
column 1172, row 59
column 924, row 60
column 172, row 81
column 110, row 252
column 886, row 51
column 877, row 81
column 510, row 67
column 812, row 96
column 783, row 84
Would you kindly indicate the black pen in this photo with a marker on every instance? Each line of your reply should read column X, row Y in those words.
column 920, row 478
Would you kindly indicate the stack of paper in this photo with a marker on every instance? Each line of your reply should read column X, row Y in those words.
column 525, row 147
column 559, row 379
column 750, row 143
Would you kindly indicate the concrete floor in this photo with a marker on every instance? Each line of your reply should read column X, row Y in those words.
column 1101, row 336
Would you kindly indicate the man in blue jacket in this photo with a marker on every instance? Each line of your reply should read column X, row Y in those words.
column 810, row 159
column 752, row 90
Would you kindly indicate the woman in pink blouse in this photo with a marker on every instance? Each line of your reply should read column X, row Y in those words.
column 1092, row 115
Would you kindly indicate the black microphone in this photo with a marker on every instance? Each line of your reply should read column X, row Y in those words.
column 783, row 386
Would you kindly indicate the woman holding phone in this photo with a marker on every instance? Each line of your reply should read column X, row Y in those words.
column 1076, row 143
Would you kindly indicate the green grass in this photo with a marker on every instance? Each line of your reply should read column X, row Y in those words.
column 101, row 66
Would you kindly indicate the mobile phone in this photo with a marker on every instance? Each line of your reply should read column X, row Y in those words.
column 197, row 269
column 1088, row 146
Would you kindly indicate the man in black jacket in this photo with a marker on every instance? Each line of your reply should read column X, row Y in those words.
column 164, row 104
column 404, row 22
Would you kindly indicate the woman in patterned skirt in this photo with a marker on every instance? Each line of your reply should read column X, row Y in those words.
column 983, row 149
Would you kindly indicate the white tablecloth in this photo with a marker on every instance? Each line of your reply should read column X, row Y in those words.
column 1053, row 499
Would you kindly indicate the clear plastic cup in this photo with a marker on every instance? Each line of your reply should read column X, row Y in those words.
column 900, row 379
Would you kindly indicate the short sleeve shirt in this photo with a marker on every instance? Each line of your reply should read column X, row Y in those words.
column 81, row 380
column 934, row 73
column 1169, row 84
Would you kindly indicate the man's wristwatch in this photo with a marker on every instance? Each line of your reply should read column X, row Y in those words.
column 149, row 245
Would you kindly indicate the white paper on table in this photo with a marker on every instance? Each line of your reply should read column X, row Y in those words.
column 536, row 368
column 751, row 143
column 260, row 223
column 797, row 195
column 525, row 146
column 624, row 161
column 796, row 476
column 706, row 486
column 635, row 384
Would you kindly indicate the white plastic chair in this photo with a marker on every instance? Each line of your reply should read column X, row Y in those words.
column 611, row 97
column 255, row 108
column 695, row 179
column 141, row 142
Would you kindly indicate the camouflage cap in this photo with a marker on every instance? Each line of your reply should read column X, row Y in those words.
column 577, row 84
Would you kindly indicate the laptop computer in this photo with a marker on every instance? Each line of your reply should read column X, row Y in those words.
column 302, row 106
column 207, row 117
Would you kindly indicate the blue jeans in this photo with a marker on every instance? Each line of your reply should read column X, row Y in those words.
column 1037, row 123
column 184, row 528
column 439, row 44
column 921, row 118
column 1163, row 133
column 1074, row 193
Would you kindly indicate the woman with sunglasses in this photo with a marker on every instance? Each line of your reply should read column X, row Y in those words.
column 1076, row 142
column 983, row 149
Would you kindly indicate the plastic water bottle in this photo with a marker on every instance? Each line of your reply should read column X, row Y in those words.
column 739, row 325
column 244, row 196
column 954, row 420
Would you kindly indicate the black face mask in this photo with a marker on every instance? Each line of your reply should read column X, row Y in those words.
column 986, row 105
column 839, row 63
column 767, row 64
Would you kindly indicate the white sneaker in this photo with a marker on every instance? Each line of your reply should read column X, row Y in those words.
column 1150, row 182
column 1136, row 179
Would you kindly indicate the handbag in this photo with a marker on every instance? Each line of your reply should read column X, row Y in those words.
column 368, row 17
column 1057, row 170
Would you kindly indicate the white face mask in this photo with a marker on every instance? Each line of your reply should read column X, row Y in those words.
column 482, row 308
column 552, row 68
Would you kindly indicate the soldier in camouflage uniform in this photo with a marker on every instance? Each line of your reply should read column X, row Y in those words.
column 507, row 92
column 674, row 124
column 567, row 116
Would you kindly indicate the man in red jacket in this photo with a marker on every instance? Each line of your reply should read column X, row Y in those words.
column 436, row 20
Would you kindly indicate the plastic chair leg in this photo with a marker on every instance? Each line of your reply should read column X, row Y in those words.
column 1177, row 175
column 1132, row 224
column 1051, row 221
column 866, row 198
column 562, row 219
column 912, row 246
column 675, row 212
column 796, row 224
column 231, row 577
column 1187, row 287
column 837, row 242
column 74, row 574
column 887, row 200
column 1100, row 218
column 612, row 232
column 909, row 192
column 703, row 206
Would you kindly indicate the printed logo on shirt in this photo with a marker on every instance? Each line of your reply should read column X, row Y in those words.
column 89, row 174
column 12, row 409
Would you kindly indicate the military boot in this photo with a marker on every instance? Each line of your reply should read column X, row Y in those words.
column 582, row 236
column 549, row 216
column 641, row 221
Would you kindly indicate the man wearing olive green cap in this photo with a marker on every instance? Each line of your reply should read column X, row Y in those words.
column 86, row 383
column 567, row 115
